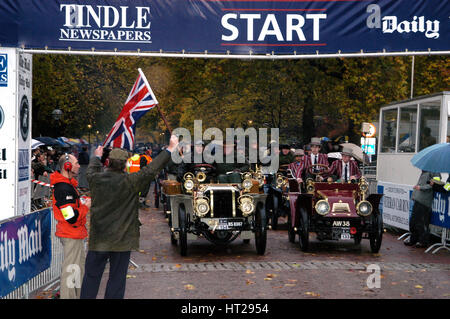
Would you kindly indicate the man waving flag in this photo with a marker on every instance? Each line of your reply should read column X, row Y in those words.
column 140, row 100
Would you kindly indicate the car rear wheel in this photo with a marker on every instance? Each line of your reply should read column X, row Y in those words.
column 182, row 225
column 376, row 236
column 291, row 231
column 275, row 208
column 260, row 230
column 303, row 230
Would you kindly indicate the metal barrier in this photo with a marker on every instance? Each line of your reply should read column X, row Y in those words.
column 46, row 277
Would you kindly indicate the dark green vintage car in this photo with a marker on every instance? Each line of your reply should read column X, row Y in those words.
column 219, row 212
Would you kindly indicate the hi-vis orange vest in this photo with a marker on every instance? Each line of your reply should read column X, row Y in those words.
column 148, row 158
column 133, row 164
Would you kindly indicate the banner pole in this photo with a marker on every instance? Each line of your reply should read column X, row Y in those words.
column 157, row 103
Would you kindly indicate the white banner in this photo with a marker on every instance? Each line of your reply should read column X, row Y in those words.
column 23, row 133
column 396, row 204
column 8, row 123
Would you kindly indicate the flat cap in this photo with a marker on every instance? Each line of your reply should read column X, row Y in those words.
column 118, row 154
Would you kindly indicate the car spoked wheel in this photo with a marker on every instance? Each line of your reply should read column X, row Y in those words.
column 376, row 236
column 303, row 230
column 275, row 208
column 182, row 225
column 291, row 231
column 173, row 239
column 260, row 230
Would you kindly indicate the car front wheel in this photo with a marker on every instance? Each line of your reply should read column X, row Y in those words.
column 260, row 231
column 303, row 230
column 376, row 236
column 182, row 225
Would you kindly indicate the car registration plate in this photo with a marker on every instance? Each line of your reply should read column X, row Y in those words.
column 223, row 223
column 342, row 233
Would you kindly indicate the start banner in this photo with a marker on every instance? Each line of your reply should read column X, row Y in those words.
column 227, row 26
column 25, row 249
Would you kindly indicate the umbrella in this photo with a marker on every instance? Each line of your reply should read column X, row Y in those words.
column 51, row 141
column 357, row 152
column 35, row 143
column 337, row 155
column 434, row 158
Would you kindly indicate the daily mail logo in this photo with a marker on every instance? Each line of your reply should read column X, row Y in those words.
column 3, row 69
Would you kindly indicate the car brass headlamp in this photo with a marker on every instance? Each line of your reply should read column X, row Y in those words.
column 280, row 180
column 247, row 184
column 310, row 185
column 363, row 185
column 201, row 207
column 201, row 177
column 364, row 208
column 322, row 207
column 246, row 205
column 189, row 185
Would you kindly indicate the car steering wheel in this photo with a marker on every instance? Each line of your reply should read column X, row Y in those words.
column 324, row 169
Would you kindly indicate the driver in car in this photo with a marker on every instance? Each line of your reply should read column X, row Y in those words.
column 315, row 158
column 345, row 170
column 230, row 172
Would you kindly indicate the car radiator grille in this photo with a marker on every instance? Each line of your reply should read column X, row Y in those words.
column 222, row 204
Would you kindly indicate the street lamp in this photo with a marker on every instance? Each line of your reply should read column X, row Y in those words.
column 57, row 115
column 89, row 134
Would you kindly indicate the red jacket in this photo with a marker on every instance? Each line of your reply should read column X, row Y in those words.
column 336, row 169
column 66, row 196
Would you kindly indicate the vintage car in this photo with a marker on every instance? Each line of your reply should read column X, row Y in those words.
column 219, row 212
column 335, row 211
column 277, row 203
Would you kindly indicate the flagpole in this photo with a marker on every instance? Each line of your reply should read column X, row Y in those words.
column 154, row 98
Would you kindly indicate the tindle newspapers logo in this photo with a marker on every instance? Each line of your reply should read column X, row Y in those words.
column 3, row 69
column 105, row 23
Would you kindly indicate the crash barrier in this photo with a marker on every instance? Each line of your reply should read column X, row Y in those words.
column 30, row 254
column 396, row 206
column 40, row 193
column 370, row 171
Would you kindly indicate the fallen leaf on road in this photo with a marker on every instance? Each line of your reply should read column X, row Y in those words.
column 267, row 278
column 189, row 287
column 292, row 280
column 289, row 285
column 418, row 286
column 131, row 276
column 313, row 294
column 248, row 271
column 271, row 276
column 249, row 282
column 177, row 266
column 154, row 258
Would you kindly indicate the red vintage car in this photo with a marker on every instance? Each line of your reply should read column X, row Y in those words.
column 334, row 211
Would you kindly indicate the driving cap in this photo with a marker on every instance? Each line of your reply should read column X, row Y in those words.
column 315, row 141
column 118, row 154
column 347, row 151
column 299, row 152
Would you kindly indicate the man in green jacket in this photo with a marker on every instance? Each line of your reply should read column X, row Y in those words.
column 114, row 223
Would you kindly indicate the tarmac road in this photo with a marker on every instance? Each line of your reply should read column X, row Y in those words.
column 329, row 270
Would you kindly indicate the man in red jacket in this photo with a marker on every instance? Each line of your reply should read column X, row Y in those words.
column 344, row 170
column 70, row 214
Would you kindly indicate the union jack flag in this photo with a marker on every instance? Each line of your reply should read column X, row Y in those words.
column 140, row 100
